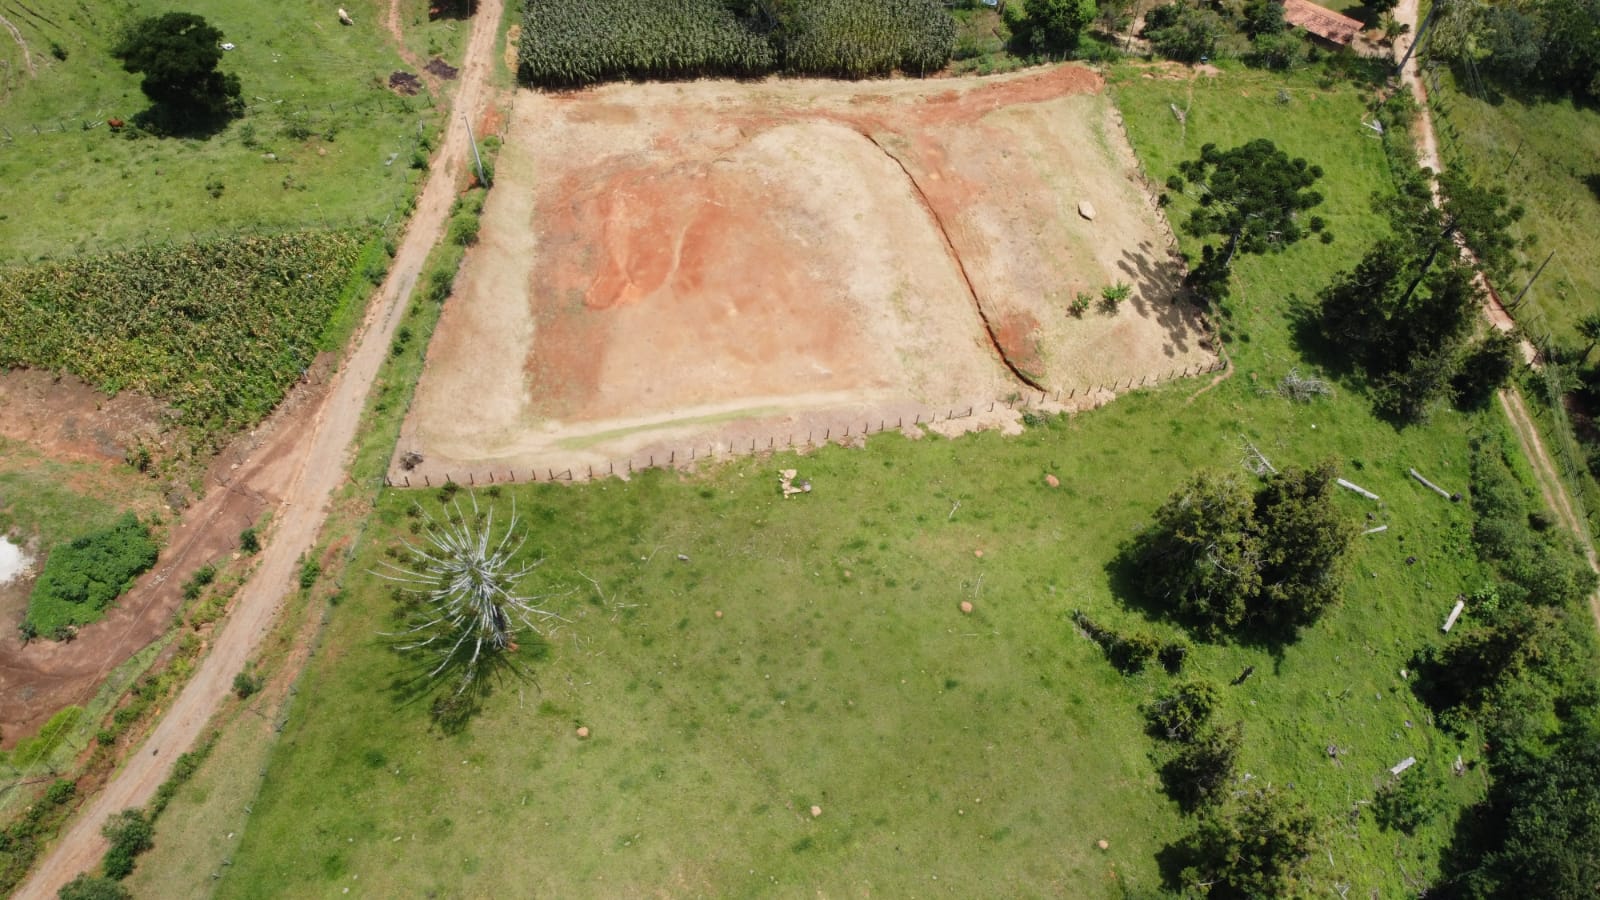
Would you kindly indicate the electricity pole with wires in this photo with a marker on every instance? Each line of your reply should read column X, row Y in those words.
column 482, row 179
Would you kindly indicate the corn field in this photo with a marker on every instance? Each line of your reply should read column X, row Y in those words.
column 220, row 329
column 569, row 45
column 860, row 38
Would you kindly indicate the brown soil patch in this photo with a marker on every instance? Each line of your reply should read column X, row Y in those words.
column 404, row 83
column 69, row 419
column 441, row 69
column 659, row 262
column 242, row 482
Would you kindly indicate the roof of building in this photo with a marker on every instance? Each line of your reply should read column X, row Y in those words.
column 1321, row 21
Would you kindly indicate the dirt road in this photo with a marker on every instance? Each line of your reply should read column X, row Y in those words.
column 1551, row 486
column 319, row 462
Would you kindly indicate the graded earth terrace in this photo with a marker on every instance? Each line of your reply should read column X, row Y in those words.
column 672, row 264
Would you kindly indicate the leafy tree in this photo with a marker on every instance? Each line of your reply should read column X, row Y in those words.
column 178, row 53
column 1227, row 559
column 1050, row 27
column 1484, row 216
column 1202, row 553
column 85, row 887
column 1549, row 804
column 130, row 834
column 1114, row 16
column 1514, row 41
column 1253, row 847
column 1400, row 316
column 1264, row 17
column 1379, row 7
column 1183, row 32
column 1304, row 545
column 1589, row 328
column 1202, row 769
column 1250, row 196
column 1278, row 50
column 1180, row 712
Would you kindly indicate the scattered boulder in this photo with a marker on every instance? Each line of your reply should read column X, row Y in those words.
column 583, row 731
column 1103, row 845
column 1052, row 481
column 1086, row 209
column 966, row 606
column 816, row 811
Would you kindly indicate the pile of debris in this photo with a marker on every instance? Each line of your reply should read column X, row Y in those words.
column 786, row 480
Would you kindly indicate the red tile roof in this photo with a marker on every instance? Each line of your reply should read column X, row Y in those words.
column 1321, row 21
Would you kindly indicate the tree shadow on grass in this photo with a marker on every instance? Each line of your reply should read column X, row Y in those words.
column 457, row 691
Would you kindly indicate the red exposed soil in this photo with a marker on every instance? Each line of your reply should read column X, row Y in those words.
column 666, row 260
column 69, row 419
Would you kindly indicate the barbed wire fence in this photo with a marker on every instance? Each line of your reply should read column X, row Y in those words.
column 778, row 442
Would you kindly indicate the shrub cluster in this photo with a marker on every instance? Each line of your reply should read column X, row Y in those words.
column 1131, row 653
column 565, row 45
column 1228, row 559
column 81, row 578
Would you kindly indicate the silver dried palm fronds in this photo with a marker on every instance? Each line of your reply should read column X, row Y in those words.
column 466, row 579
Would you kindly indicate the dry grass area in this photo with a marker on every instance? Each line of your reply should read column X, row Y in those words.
column 668, row 263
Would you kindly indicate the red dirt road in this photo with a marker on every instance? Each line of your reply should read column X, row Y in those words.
column 318, row 463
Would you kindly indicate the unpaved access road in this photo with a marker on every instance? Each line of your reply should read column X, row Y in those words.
column 1551, row 486
column 319, row 461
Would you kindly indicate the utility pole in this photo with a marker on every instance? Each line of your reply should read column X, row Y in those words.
column 474, row 141
column 1518, row 302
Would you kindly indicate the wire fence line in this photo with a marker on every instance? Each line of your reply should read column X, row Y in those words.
column 1095, row 395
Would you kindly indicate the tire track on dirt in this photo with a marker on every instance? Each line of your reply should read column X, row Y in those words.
column 955, row 257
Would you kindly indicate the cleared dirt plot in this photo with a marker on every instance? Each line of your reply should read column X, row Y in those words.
column 718, row 261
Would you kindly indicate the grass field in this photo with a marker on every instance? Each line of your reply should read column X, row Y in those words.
column 1545, row 154
column 970, row 755
column 325, row 142
column 57, row 500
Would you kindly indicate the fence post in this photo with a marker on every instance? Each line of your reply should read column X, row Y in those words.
column 408, row 481
column 426, row 482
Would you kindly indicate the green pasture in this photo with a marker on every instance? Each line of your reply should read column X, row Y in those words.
column 1546, row 152
column 981, row 754
column 324, row 141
